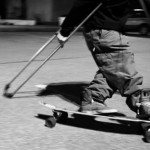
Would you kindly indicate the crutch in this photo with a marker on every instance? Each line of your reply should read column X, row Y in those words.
column 145, row 9
column 10, row 95
column 7, row 86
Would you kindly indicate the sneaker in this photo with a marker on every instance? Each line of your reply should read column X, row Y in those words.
column 133, row 100
column 95, row 107
column 144, row 104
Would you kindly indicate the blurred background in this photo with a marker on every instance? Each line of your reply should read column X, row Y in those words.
column 41, row 11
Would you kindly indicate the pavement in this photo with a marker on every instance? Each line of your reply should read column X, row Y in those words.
column 22, row 119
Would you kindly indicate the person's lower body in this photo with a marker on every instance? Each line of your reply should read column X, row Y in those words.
column 116, row 71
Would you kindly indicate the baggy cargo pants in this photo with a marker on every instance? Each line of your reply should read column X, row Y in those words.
column 111, row 52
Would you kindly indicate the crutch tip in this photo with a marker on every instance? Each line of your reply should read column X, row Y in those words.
column 7, row 87
column 8, row 95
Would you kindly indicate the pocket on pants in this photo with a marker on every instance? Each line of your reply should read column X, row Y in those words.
column 118, row 63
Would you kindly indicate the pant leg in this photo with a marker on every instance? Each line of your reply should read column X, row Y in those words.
column 119, row 71
column 111, row 52
column 98, row 90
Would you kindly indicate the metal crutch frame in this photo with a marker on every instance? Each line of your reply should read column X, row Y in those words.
column 7, row 86
column 10, row 95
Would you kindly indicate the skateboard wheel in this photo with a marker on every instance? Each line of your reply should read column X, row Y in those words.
column 146, row 129
column 147, row 135
column 50, row 122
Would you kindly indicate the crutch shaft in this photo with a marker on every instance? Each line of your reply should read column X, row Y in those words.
column 98, row 6
column 31, row 75
column 33, row 57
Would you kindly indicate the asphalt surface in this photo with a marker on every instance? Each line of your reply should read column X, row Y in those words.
column 22, row 119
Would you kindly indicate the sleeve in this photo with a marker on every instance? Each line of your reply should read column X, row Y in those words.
column 80, row 10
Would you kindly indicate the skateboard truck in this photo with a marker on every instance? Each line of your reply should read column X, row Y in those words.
column 57, row 116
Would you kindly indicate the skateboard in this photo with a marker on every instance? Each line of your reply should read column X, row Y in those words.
column 61, row 114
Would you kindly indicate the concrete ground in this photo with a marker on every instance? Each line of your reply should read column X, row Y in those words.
column 22, row 118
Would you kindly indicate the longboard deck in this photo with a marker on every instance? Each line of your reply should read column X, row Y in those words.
column 98, row 115
column 51, row 121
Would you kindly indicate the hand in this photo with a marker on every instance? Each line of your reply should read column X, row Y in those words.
column 61, row 39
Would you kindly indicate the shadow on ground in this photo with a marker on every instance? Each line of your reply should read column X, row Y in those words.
column 69, row 91
column 90, row 123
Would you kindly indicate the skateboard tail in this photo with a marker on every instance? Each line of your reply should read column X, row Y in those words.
column 47, row 105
